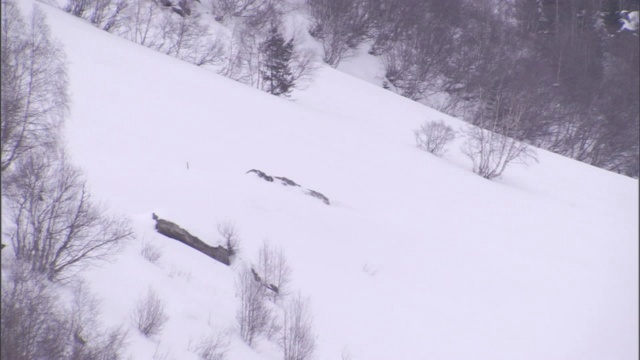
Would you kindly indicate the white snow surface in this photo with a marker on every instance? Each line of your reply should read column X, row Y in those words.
column 415, row 258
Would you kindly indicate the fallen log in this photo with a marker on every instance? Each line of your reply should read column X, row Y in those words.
column 171, row 230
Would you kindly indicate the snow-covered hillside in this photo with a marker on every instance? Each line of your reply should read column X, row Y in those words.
column 415, row 258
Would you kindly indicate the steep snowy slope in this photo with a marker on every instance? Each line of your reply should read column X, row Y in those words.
column 415, row 258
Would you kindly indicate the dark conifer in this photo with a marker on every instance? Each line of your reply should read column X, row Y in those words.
column 277, row 53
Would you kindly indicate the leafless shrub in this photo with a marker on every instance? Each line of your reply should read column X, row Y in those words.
column 231, row 66
column 244, row 58
column 339, row 25
column 212, row 347
column 491, row 152
column 230, row 237
column 78, row 7
column 412, row 67
column 53, row 222
column 274, row 270
column 186, row 38
column 297, row 340
column 111, row 345
column 151, row 252
column 433, row 136
column 303, row 65
column 34, row 85
column 83, row 324
column 139, row 22
column 36, row 324
column 491, row 144
column 253, row 315
column 149, row 315
column 88, row 340
column 33, row 325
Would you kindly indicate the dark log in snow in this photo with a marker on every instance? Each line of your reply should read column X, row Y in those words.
column 171, row 230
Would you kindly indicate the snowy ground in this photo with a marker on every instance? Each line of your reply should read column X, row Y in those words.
column 415, row 258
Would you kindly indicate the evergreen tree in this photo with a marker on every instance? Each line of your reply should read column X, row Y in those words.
column 277, row 77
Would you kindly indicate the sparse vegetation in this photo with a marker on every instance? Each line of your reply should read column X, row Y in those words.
column 253, row 315
column 433, row 136
column 491, row 152
column 212, row 347
column 297, row 339
column 51, row 219
column 54, row 224
column 150, row 252
column 275, row 272
column 149, row 315
column 37, row 324
column 34, row 86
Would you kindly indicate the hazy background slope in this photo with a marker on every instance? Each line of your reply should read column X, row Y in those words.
column 415, row 258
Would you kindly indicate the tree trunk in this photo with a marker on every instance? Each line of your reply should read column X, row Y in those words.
column 171, row 230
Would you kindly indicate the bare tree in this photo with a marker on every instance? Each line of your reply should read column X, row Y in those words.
column 37, row 324
column 274, row 271
column 78, row 7
column 54, row 223
column 87, row 340
column 139, row 22
column 297, row 339
column 34, row 85
column 339, row 25
column 433, row 136
column 414, row 63
column 149, row 315
column 304, row 64
column 105, row 14
column 253, row 315
column 230, row 237
column 33, row 325
column 186, row 38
